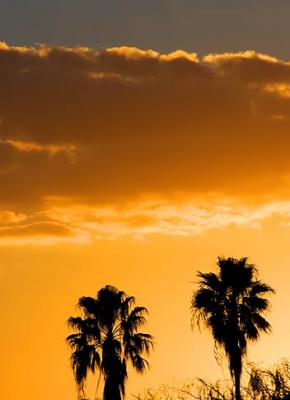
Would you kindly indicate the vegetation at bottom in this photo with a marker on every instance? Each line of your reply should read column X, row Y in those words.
column 259, row 384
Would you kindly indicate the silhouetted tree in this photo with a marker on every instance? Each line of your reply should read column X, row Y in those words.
column 231, row 304
column 107, row 335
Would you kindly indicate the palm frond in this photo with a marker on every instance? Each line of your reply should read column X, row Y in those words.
column 259, row 287
column 135, row 320
column 126, row 305
column 139, row 363
column 88, row 305
column 83, row 359
column 76, row 323
column 255, row 303
column 209, row 280
column 204, row 299
column 261, row 323
column 140, row 342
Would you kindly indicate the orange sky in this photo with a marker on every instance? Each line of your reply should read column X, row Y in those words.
column 136, row 169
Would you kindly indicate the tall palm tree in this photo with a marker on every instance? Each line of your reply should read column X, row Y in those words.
column 231, row 304
column 106, row 337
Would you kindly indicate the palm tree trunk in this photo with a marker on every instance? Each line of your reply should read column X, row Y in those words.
column 237, row 378
column 236, row 369
column 112, row 390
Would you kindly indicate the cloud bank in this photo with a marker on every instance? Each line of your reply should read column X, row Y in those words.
column 101, row 128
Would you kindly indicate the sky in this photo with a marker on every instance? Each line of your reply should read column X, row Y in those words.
column 205, row 26
column 139, row 141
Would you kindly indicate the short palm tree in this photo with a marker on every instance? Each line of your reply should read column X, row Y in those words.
column 231, row 304
column 106, row 337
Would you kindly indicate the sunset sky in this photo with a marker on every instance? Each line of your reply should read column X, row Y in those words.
column 138, row 142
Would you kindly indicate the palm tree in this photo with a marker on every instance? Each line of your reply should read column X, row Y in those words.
column 106, row 337
column 231, row 304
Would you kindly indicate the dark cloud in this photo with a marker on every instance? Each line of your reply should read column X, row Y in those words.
column 100, row 127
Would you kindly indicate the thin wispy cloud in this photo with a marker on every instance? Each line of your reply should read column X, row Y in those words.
column 79, row 224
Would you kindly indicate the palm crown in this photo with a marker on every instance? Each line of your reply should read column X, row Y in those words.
column 107, row 335
column 231, row 304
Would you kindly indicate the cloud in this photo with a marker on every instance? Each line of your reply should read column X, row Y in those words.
column 28, row 147
column 11, row 217
column 80, row 224
column 143, row 219
column 40, row 232
column 106, row 127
